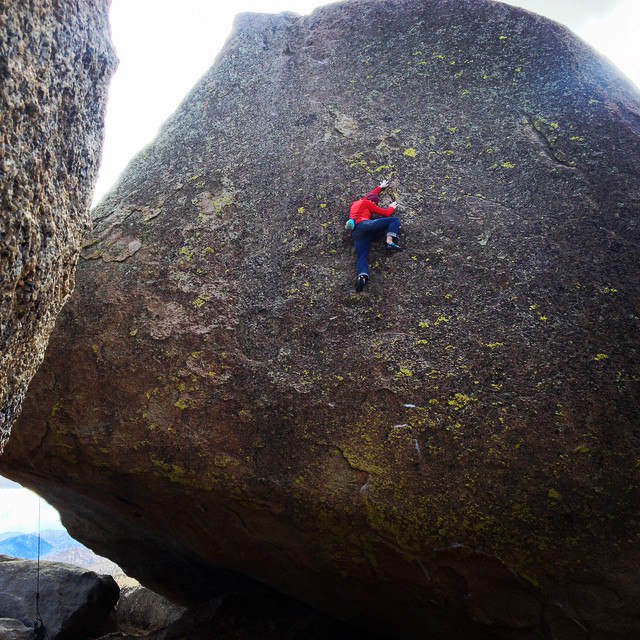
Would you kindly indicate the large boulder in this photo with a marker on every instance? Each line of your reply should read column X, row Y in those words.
column 73, row 602
column 140, row 611
column 12, row 629
column 451, row 454
column 55, row 62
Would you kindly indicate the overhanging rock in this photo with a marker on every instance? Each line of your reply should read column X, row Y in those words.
column 451, row 454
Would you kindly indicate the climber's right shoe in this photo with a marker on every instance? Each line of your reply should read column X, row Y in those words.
column 392, row 246
column 361, row 282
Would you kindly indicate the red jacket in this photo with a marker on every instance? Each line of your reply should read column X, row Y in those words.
column 363, row 208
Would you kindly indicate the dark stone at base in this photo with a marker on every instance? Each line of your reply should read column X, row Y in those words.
column 12, row 629
column 255, row 616
column 73, row 602
column 141, row 611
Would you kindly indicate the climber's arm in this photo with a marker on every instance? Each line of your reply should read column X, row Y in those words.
column 385, row 212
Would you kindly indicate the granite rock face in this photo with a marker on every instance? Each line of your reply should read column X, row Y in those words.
column 55, row 63
column 73, row 602
column 451, row 454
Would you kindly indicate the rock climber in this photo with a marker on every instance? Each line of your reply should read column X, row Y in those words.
column 364, row 230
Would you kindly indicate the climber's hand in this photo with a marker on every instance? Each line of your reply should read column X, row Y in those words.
column 394, row 205
column 384, row 184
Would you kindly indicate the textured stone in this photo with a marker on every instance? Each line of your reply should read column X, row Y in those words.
column 12, row 629
column 257, row 615
column 140, row 611
column 55, row 62
column 452, row 454
column 73, row 602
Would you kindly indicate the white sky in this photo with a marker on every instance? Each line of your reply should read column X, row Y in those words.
column 19, row 510
column 165, row 46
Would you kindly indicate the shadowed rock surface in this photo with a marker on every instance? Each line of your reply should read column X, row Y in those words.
column 55, row 63
column 73, row 602
column 257, row 615
column 12, row 629
column 452, row 454
column 140, row 611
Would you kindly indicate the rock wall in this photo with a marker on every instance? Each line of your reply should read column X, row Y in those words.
column 55, row 63
column 73, row 602
column 451, row 454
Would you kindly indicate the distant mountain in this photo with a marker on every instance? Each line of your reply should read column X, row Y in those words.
column 57, row 545
column 24, row 546
column 59, row 539
column 83, row 557
column 9, row 534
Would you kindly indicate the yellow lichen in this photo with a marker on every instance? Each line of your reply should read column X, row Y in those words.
column 201, row 300
column 460, row 400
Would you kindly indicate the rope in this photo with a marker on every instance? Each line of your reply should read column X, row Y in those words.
column 38, row 572
column 39, row 628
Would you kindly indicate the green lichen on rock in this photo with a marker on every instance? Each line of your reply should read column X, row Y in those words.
column 454, row 430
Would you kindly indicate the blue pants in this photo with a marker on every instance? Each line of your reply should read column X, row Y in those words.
column 366, row 232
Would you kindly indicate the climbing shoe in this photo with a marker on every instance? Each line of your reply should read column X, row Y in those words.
column 392, row 246
column 361, row 282
column 349, row 225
